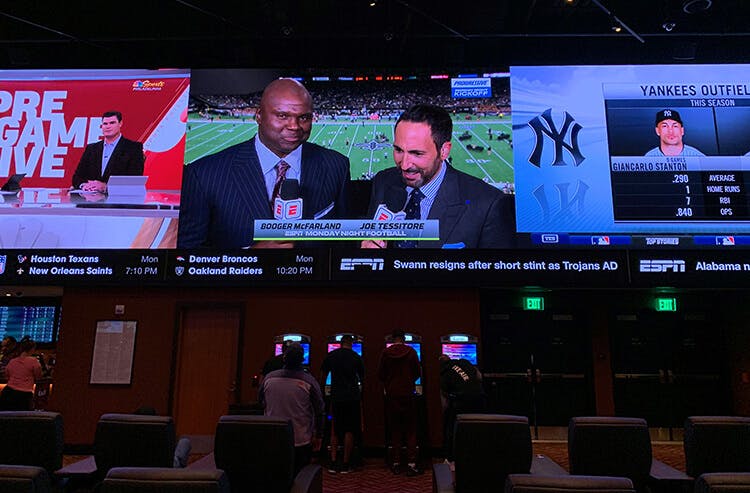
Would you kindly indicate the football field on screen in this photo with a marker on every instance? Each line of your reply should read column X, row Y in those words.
column 369, row 146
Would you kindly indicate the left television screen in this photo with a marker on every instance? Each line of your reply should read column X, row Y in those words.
column 72, row 146
column 38, row 321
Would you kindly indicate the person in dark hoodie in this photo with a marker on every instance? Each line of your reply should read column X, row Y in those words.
column 398, row 370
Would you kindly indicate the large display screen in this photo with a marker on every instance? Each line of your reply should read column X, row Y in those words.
column 638, row 156
column 40, row 322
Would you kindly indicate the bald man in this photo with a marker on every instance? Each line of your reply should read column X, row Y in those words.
column 224, row 193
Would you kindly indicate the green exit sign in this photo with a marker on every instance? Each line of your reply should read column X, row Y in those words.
column 533, row 303
column 666, row 304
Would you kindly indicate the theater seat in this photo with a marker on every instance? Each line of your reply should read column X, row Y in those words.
column 486, row 448
column 31, row 438
column 24, row 479
column 620, row 447
column 257, row 454
column 164, row 480
column 723, row 482
column 717, row 444
column 530, row 483
column 132, row 440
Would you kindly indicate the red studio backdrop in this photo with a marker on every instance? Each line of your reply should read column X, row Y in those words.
column 48, row 117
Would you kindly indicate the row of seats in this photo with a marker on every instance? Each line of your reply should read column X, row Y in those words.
column 488, row 448
column 256, row 453
column 30, row 479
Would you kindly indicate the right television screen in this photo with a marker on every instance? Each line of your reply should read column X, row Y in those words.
column 639, row 156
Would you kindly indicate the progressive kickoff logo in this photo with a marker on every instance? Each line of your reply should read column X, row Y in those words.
column 673, row 265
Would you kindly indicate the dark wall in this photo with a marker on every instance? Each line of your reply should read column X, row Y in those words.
column 268, row 312
column 373, row 313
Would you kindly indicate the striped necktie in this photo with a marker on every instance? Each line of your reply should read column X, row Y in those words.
column 413, row 211
column 281, row 168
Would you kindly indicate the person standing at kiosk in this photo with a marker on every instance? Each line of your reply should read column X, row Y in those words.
column 293, row 394
column 398, row 370
column 461, row 392
column 347, row 374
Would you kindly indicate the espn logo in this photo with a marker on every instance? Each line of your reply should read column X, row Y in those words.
column 374, row 264
column 662, row 266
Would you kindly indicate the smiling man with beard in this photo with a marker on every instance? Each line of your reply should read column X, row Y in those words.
column 470, row 212
column 224, row 193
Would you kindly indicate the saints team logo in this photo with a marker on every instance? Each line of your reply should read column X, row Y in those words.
column 372, row 145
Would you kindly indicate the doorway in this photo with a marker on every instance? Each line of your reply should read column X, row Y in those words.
column 206, row 379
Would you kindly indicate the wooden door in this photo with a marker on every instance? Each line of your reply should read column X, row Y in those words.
column 206, row 374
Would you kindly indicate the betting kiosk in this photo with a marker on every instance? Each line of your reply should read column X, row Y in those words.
column 457, row 346
column 334, row 342
column 414, row 341
column 303, row 340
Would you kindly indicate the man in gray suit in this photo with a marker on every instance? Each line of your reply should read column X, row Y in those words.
column 471, row 213
column 224, row 193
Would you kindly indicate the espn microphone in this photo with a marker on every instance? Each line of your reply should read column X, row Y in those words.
column 394, row 201
column 288, row 205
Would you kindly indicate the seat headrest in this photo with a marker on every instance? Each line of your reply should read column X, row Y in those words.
column 491, row 418
column 165, row 473
column 607, row 421
column 134, row 418
column 40, row 415
column 717, row 420
column 531, row 483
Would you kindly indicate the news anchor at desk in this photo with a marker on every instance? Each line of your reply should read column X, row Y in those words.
column 471, row 213
column 224, row 193
column 114, row 155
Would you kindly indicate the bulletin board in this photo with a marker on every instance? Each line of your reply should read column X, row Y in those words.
column 114, row 346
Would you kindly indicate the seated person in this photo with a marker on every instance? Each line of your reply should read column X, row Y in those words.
column 114, row 155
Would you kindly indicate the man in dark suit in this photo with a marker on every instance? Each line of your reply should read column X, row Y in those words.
column 113, row 155
column 471, row 213
column 224, row 193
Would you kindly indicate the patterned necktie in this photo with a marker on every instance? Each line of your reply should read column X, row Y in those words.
column 413, row 211
column 281, row 169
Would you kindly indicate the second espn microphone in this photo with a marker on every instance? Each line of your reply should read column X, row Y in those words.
column 288, row 205
column 394, row 201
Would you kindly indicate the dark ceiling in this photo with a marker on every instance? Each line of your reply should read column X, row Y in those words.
column 392, row 34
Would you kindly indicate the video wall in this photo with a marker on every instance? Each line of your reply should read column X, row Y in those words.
column 555, row 175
